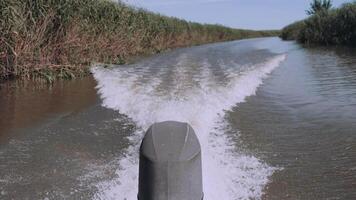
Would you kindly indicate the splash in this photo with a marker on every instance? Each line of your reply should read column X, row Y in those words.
column 198, row 99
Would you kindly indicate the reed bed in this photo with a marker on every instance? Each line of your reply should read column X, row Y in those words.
column 327, row 27
column 61, row 38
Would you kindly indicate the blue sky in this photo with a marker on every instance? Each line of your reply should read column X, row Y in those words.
column 248, row 14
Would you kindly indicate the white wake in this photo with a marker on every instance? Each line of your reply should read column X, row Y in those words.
column 227, row 174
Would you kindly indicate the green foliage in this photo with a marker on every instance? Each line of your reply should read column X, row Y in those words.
column 327, row 27
column 346, row 24
column 320, row 29
column 43, row 36
column 319, row 6
column 291, row 32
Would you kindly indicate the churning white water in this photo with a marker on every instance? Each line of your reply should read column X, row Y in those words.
column 188, row 90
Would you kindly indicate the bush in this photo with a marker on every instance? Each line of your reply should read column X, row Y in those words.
column 291, row 32
column 327, row 27
column 319, row 29
column 346, row 24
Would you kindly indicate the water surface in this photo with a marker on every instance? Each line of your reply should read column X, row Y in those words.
column 275, row 121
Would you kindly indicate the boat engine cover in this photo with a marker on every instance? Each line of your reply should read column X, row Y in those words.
column 170, row 163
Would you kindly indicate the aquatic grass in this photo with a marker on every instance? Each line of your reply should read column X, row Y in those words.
column 325, row 27
column 50, row 34
column 292, row 31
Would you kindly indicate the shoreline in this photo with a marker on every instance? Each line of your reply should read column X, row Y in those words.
column 51, row 73
column 61, row 39
column 325, row 27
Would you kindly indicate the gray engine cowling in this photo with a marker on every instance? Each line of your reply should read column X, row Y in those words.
column 170, row 163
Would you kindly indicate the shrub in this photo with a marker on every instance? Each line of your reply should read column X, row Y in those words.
column 319, row 29
column 291, row 32
column 319, row 6
column 346, row 24
column 326, row 27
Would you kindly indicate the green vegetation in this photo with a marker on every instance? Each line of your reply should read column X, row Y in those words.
column 325, row 26
column 291, row 32
column 318, row 6
column 61, row 38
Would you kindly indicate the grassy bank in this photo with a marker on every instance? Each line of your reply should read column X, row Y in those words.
column 61, row 38
column 325, row 27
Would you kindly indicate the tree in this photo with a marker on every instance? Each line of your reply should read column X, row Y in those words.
column 318, row 6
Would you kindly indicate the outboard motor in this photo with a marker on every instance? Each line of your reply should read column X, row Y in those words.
column 170, row 163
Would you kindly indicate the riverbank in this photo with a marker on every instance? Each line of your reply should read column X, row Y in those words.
column 66, row 144
column 326, row 27
column 60, row 39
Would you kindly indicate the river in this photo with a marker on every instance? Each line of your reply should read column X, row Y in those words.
column 275, row 121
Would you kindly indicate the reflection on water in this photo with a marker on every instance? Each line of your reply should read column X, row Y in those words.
column 58, row 142
column 304, row 119
column 24, row 103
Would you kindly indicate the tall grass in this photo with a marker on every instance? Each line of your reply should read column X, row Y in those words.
column 62, row 37
column 291, row 32
column 327, row 27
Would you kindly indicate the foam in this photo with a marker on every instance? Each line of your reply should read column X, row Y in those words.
column 227, row 173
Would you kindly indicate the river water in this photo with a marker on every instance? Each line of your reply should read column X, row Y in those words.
column 275, row 121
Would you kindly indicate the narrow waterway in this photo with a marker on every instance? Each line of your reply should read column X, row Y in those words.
column 275, row 121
